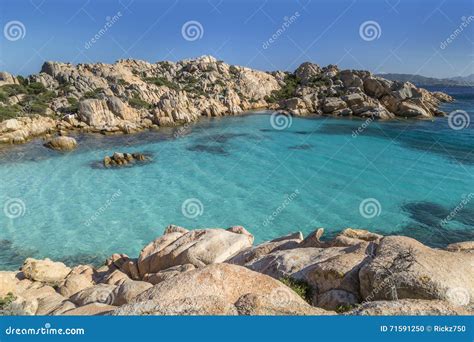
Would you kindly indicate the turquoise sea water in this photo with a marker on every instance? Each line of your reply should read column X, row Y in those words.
column 240, row 171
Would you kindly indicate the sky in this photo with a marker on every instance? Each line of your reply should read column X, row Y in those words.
column 399, row 36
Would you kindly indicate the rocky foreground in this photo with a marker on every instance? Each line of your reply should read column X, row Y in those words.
column 220, row 272
column 132, row 95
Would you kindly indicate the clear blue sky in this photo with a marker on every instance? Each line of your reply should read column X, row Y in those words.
column 325, row 32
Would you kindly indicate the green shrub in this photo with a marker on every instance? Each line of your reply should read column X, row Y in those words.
column 13, row 89
column 7, row 300
column 345, row 308
column 138, row 103
column 161, row 81
column 94, row 94
column 287, row 91
column 301, row 287
column 9, row 112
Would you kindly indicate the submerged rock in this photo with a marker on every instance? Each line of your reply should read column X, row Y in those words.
column 125, row 159
column 62, row 143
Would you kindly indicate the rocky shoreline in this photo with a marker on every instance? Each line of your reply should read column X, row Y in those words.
column 220, row 272
column 131, row 96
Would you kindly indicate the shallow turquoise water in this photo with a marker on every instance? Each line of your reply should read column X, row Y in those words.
column 314, row 173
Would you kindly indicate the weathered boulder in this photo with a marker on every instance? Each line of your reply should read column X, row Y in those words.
column 198, row 247
column 146, row 259
column 377, row 87
column 405, row 268
column 251, row 254
column 258, row 305
column 158, row 277
column 45, row 270
column 228, row 283
column 466, row 246
column 100, row 293
column 96, row 113
column 410, row 307
column 307, row 71
column 75, row 283
column 62, row 143
column 128, row 290
column 331, row 104
column 92, row 309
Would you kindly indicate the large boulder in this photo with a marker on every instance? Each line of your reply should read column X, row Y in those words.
column 100, row 293
column 410, row 307
column 75, row 283
column 225, row 283
column 332, row 104
column 95, row 112
column 307, row 72
column 128, row 290
column 198, row 247
column 62, row 143
column 46, row 271
column 405, row 268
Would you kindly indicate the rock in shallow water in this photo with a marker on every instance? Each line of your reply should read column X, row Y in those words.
column 125, row 159
column 62, row 143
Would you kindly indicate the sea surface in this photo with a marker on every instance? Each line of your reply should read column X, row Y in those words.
column 271, row 175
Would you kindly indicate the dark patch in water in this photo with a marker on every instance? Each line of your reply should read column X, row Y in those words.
column 430, row 225
column 12, row 257
column 436, row 236
column 224, row 138
column 301, row 147
column 426, row 213
column 432, row 137
column 212, row 149
column 83, row 259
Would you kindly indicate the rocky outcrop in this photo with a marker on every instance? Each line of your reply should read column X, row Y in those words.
column 125, row 159
column 219, row 272
column 62, row 143
column 226, row 285
column 404, row 268
column 131, row 95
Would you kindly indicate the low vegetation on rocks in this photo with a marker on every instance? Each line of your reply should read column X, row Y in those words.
column 132, row 95
column 220, row 272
